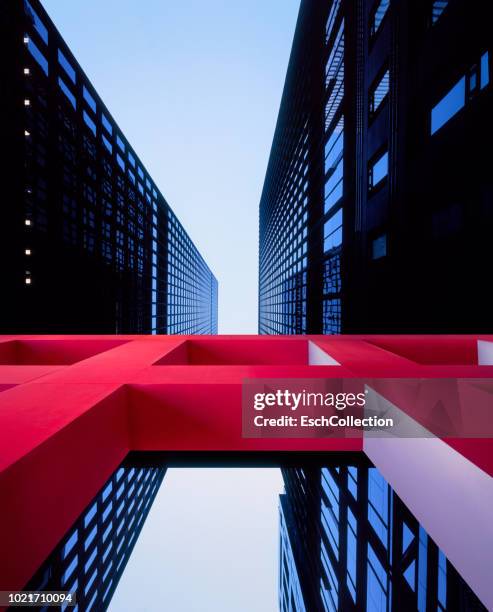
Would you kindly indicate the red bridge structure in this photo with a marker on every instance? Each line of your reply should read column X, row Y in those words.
column 72, row 408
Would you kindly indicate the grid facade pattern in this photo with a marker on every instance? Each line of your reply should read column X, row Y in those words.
column 192, row 288
column 389, row 102
column 87, row 229
column 356, row 546
column 90, row 560
column 284, row 215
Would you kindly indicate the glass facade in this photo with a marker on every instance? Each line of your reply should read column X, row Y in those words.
column 99, row 232
column 348, row 542
column 91, row 558
column 377, row 125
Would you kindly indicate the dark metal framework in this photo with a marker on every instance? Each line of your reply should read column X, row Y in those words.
column 88, row 243
column 377, row 205
column 349, row 543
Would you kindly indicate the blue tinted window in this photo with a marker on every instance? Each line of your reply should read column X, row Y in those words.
column 379, row 170
column 120, row 143
column 89, row 122
column 68, row 572
column 376, row 590
column 333, row 231
column 91, row 582
column 107, row 490
column 422, row 568
column 89, row 99
column 120, row 162
column 379, row 247
column 131, row 159
column 352, row 481
column 69, row 544
column 449, row 105
column 442, row 579
column 107, row 144
column 378, row 15
column 89, row 516
column 437, row 8
column 90, row 560
column 90, row 537
column 38, row 56
column 66, row 65
column 106, row 124
column 351, row 554
column 485, row 69
column 379, row 92
column 36, row 21
column 334, row 147
column 107, row 511
column 67, row 92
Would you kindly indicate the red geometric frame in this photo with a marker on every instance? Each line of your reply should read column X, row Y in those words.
column 72, row 407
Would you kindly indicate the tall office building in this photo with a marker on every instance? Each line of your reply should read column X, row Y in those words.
column 377, row 205
column 349, row 543
column 89, row 561
column 88, row 243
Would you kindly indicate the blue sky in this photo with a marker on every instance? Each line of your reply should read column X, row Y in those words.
column 210, row 542
column 195, row 86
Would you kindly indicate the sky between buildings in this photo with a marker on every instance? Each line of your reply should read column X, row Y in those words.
column 195, row 86
column 210, row 543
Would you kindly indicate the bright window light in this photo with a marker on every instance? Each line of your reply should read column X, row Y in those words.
column 27, row 102
column 27, row 280
column 27, row 251
column 27, row 71
column 27, row 222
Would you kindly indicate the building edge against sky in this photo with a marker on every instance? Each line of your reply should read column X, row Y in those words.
column 88, row 242
column 377, row 206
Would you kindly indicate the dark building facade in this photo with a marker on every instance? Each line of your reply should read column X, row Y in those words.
column 347, row 542
column 377, row 205
column 90, row 559
column 88, row 243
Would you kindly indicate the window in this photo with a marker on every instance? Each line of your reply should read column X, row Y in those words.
column 378, row 93
column 331, row 19
column 379, row 247
column 89, row 122
column 38, row 56
column 36, row 21
column 67, row 92
column 107, row 144
column 437, row 8
column 107, row 125
column 378, row 16
column 333, row 231
column 120, row 143
column 485, row 70
column 334, row 166
column 466, row 88
column 379, row 170
column 120, row 162
column 449, row 105
column 89, row 99
column 66, row 65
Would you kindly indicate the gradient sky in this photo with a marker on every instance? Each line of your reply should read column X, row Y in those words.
column 195, row 86
column 210, row 543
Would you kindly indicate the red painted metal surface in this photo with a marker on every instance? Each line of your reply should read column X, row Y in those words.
column 72, row 407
